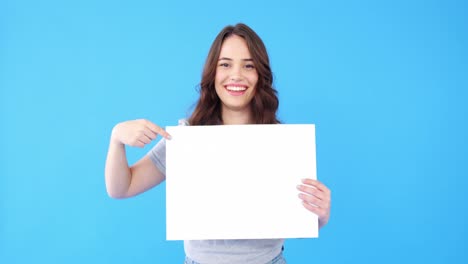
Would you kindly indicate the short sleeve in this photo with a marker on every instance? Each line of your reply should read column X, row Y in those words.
column 158, row 153
column 158, row 156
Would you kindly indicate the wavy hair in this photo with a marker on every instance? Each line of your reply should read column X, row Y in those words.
column 265, row 102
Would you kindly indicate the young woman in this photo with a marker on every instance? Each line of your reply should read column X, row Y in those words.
column 236, row 88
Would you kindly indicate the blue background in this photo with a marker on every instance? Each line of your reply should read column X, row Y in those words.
column 385, row 82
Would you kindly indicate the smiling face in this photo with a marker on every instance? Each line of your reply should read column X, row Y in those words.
column 236, row 76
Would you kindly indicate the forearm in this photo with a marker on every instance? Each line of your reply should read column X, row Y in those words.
column 117, row 171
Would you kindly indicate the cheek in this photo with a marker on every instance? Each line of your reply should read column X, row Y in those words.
column 253, row 79
column 218, row 83
column 220, row 76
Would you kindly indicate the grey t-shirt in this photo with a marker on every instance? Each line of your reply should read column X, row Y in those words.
column 245, row 251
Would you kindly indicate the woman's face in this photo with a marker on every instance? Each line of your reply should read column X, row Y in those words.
column 236, row 76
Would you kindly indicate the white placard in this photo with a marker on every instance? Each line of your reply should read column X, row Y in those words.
column 239, row 181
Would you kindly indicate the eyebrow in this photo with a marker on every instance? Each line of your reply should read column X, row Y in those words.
column 229, row 59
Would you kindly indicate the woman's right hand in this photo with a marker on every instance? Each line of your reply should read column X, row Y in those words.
column 137, row 133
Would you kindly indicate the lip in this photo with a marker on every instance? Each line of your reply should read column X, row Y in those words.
column 234, row 92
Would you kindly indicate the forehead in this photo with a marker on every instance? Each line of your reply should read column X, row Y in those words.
column 235, row 47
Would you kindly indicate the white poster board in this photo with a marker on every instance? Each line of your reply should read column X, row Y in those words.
column 239, row 181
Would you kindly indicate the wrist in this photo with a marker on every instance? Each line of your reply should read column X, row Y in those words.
column 114, row 140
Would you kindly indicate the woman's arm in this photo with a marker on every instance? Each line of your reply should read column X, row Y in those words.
column 123, row 181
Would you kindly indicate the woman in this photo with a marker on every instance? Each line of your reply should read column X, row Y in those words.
column 236, row 88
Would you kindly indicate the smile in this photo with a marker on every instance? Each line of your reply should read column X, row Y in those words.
column 236, row 89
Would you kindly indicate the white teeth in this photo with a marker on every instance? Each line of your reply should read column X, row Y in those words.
column 236, row 88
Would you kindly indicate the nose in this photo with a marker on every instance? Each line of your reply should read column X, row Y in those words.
column 236, row 74
column 235, row 79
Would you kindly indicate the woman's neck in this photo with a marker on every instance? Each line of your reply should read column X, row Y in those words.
column 234, row 117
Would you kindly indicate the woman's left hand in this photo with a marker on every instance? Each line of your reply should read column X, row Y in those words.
column 316, row 197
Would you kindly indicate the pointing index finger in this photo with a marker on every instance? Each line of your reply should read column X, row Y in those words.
column 158, row 130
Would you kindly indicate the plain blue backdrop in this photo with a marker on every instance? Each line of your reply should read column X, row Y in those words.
column 385, row 82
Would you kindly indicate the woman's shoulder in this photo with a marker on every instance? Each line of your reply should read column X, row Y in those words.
column 183, row 122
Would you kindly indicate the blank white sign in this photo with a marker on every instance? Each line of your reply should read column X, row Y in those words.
column 239, row 181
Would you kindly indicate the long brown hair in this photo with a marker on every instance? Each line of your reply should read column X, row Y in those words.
column 265, row 102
